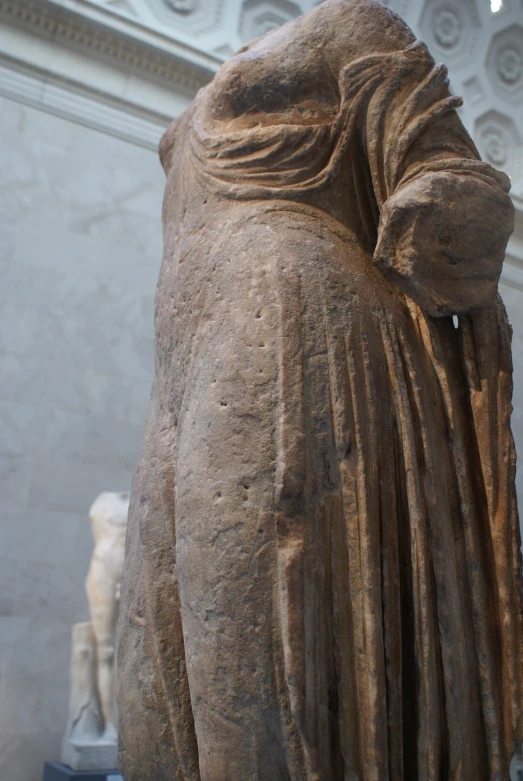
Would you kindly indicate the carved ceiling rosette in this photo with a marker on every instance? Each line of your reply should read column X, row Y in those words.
column 450, row 29
column 189, row 17
column 505, row 63
column 510, row 65
column 501, row 144
column 181, row 6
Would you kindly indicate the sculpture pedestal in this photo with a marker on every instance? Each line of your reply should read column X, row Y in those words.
column 89, row 754
column 84, row 747
column 56, row 771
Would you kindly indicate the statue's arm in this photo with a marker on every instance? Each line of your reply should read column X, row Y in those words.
column 445, row 216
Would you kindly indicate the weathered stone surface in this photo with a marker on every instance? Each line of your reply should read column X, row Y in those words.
column 323, row 574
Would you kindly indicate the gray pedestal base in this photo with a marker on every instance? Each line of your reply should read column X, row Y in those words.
column 55, row 771
column 89, row 754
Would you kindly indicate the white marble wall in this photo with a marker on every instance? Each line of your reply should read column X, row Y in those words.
column 80, row 245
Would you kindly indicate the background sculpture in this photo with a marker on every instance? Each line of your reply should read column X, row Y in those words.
column 91, row 736
column 323, row 568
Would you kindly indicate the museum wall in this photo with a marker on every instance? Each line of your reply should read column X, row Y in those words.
column 80, row 250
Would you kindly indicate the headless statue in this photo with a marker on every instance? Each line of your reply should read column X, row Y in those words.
column 323, row 571
column 91, row 737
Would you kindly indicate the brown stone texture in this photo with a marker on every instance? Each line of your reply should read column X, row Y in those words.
column 323, row 572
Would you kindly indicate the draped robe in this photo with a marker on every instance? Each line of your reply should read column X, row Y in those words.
column 323, row 569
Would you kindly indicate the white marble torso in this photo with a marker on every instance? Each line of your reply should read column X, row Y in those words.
column 108, row 516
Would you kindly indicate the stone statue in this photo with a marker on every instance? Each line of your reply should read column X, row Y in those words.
column 323, row 569
column 90, row 741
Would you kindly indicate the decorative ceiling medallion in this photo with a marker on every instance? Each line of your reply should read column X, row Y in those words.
column 447, row 27
column 495, row 147
column 500, row 143
column 450, row 30
column 181, row 6
column 510, row 65
column 505, row 63
column 193, row 17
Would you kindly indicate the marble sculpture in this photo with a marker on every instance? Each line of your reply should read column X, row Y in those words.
column 90, row 741
column 323, row 569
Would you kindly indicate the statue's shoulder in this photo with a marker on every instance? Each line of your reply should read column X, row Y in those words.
column 365, row 26
column 372, row 10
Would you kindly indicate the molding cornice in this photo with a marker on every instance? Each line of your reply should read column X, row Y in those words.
column 185, row 68
column 170, row 38
column 86, row 107
column 75, row 67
